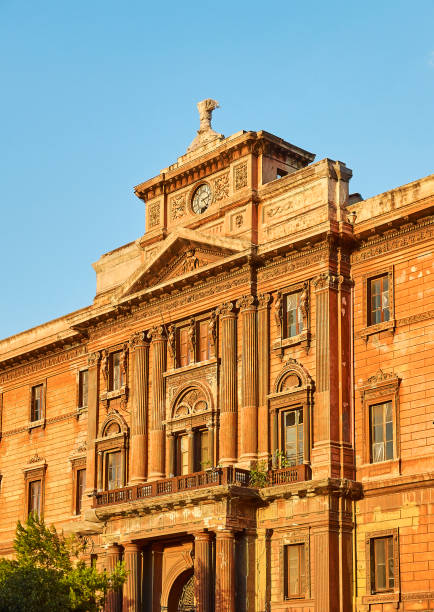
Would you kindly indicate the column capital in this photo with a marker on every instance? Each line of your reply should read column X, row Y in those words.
column 114, row 549
column 157, row 333
column 131, row 547
column 227, row 309
column 225, row 534
column 247, row 302
column 138, row 340
column 264, row 300
column 326, row 280
column 93, row 358
column 202, row 536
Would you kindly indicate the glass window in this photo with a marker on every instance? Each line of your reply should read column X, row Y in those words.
column 293, row 315
column 82, row 388
column 292, row 436
column 182, row 455
column 382, row 564
column 381, row 417
column 378, row 295
column 113, row 467
column 204, row 341
column 80, row 484
column 37, row 398
column 35, row 497
column 202, row 459
column 295, row 570
column 185, row 353
column 116, row 371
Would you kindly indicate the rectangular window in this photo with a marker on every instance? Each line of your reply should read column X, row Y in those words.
column 35, row 497
column 201, row 447
column 116, row 373
column 378, row 300
column 295, row 571
column 292, row 436
column 293, row 316
column 382, row 565
column 182, row 455
column 80, row 484
column 185, row 353
column 204, row 341
column 113, row 470
column 82, row 388
column 381, row 426
column 37, row 399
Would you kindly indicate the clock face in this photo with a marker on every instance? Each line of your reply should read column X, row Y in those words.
column 201, row 199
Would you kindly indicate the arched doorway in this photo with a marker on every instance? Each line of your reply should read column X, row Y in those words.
column 181, row 597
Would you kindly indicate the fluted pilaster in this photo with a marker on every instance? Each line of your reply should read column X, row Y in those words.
column 249, row 413
column 92, row 426
column 114, row 598
column 132, row 586
column 156, row 437
column 228, row 390
column 263, row 374
column 225, row 571
column 202, row 570
column 139, row 348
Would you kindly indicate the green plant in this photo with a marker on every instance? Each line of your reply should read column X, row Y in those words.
column 281, row 460
column 49, row 574
column 258, row 476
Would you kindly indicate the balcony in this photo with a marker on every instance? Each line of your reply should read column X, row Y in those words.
column 199, row 480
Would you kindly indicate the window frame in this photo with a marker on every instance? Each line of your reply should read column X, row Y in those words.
column 80, row 405
column 33, row 472
column 195, row 355
column 391, row 594
column 380, row 388
column 107, row 443
column 301, row 566
column 41, row 421
column 279, row 309
column 369, row 328
column 384, row 429
column 281, row 434
column 300, row 537
column 78, row 464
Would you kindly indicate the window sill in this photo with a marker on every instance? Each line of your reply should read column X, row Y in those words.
column 378, row 469
column 33, row 424
column 283, row 343
column 191, row 366
column 386, row 326
column 384, row 597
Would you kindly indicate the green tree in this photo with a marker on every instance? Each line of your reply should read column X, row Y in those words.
column 49, row 575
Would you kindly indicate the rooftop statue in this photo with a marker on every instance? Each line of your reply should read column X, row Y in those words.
column 205, row 132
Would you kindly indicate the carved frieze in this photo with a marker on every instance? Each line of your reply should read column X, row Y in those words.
column 178, row 206
column 293, row 262
column 240, row 176
column 154, row 214
column 221, row 187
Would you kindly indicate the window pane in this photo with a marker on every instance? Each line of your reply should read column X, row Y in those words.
column 295, row 570
column 183, row 455
column 80, row 486
column 83, row 388
column 204, row 341
column 36, row 407
column 292, row 436
column 380, row 564
column 116, row 371
column 113, row 470
column 35, row 497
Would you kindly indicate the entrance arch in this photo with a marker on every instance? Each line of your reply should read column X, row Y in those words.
column 181, row 596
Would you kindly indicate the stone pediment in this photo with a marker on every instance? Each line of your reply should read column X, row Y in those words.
column 183, row 253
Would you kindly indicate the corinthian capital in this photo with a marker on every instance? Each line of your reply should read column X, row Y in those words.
column 156, row 333
column 137, row 339
column 247, row 302
column 226, row 308
column 264, row 299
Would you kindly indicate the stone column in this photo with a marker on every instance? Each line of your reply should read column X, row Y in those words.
column 228, row 388
column 158, row 413
column 263, row 375
column 132, row 586
column 92, row 428
column 274, row 415
column 202, row 570
column 249, row 411
column 211, row 434
column 170, row 455
column 190, row 434
column 225, row 571
column 114, row 598
column 263, row 567
column 139, row 349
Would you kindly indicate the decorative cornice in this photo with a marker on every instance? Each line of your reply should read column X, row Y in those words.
column 42, row 363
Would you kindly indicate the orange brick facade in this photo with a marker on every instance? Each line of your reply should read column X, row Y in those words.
column 249, row 393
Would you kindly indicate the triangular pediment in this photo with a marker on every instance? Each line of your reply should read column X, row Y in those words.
column 183, row 253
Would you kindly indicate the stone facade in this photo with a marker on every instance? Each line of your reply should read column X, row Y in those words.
column 248, row 393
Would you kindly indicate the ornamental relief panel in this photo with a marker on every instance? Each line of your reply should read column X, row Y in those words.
column 220, row 187
column 154, row 214
column 295, row 201
column 240, row 176
column 177, row 206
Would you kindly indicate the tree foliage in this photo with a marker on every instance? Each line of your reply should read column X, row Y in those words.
column 49, row 575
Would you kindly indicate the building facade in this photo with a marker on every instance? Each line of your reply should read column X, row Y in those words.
column 243, row 414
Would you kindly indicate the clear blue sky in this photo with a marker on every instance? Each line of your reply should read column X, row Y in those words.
column 99, row 96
